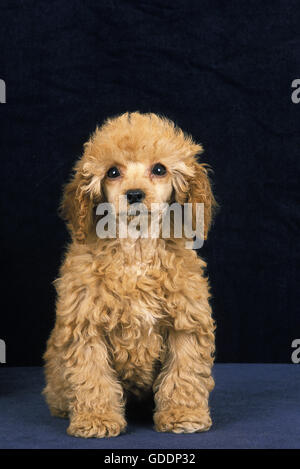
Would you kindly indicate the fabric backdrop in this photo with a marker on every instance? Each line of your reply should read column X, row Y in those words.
column 222, row 70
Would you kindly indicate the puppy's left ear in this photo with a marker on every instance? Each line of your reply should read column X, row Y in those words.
column 200, row 191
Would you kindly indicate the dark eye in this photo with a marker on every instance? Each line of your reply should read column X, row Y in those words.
column 113, row 172
column 159, row 169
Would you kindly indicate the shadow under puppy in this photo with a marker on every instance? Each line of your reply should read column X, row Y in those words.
column 133, row 315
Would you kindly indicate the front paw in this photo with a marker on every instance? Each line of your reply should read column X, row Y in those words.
column 89, row 425
column 182, row 420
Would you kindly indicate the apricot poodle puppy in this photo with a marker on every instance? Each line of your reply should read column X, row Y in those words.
column 133, row 314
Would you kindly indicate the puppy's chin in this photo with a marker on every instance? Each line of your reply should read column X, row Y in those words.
column 137, row 209
column 133, row 213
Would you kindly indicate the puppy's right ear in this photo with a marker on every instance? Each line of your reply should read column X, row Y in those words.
column 79, row 198
column 76, row 206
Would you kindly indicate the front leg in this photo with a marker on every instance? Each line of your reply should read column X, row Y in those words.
column 80, row 381
column 182, row 388
column 97, row 407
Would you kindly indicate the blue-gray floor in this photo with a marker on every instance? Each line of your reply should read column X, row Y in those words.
column 253, row 406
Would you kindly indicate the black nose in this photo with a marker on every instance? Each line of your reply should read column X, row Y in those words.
column 135, row 195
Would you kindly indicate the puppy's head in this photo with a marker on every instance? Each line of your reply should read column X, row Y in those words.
column 143, row 157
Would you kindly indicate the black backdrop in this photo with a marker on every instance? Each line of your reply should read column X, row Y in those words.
column 223, row 71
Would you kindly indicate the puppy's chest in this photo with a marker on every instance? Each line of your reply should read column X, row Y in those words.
column 133, row 272
column 136, row 344
column 134, row 315
column 141, row 302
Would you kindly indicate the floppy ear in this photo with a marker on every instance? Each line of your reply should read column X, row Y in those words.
column 77, row 203
column 200, row 191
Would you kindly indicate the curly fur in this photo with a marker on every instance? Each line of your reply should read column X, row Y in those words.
column 132, row 315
